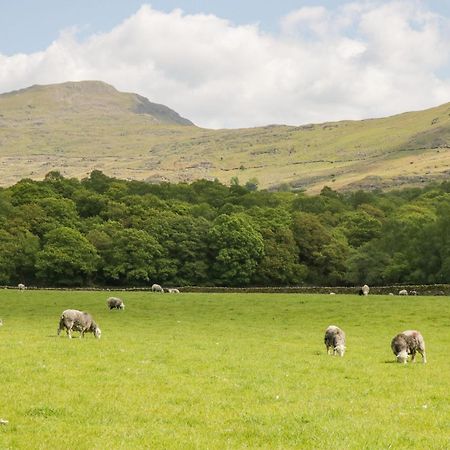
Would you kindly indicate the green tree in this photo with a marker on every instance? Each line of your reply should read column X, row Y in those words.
column 279, row 266
column 236, row 249
column 359, row 227
column 66, row 259
column 17, row 256
column 128, row 256
column 322, row 251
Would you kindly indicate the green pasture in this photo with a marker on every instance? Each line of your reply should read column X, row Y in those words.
column 222, row 371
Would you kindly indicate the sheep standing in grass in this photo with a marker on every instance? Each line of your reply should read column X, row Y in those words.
column 408, row 343
column 74, row 320
column 115, row 303
column 403, row 292
column 335, row 340
column 21, row 287
column 173, row 291
column 157, row 288
column 364, row 290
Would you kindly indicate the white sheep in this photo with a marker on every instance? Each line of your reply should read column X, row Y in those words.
column 173, row 291
column 408, row 343
column 157, row 288
column 74, row 320
column 335, row 340
column 115, row 303
column 403, row 292
column 21, row 287
column 364, row 290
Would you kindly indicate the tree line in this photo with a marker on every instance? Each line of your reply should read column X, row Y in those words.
column 103, row 231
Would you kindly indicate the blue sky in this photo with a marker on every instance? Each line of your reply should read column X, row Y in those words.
column 238, row 63
column 30, row 25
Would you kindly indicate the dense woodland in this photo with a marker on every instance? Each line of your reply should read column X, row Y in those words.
column 103, row 231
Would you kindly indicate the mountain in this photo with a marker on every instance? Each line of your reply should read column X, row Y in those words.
column 77, row 127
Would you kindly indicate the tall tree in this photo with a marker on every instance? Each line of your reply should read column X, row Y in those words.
column 236, row 249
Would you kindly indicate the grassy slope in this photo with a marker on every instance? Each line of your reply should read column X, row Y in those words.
column 42, row 130
column 222, row 371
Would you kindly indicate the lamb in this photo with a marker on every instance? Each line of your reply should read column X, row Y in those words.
column 173, row 291
column 335, row 340
column 364, row 290
column 115, row 303
column 408, row 343
column 403, row 292
column 157, row 288
column 74, row 320
column 21, row 287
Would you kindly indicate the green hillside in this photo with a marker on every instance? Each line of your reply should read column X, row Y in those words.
column 76, row 127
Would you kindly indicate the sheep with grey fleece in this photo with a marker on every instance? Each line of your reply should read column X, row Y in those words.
column 74, row 320
column 408, row 343
column 115, row 303
column 335, row 340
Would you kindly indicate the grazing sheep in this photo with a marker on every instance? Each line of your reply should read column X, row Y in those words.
column 173, row 291
column 364, row 290
column 21, row 287
column 157, row 288
column 335, row 340
column 332, row 293
column 115, row 303
column 413, row 293
column 403, row 292
column 408, row 343
column 74, row 320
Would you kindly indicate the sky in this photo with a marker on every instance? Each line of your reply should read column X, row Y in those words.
column 232, row 64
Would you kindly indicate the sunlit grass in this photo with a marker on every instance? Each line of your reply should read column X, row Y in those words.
column 222, row 371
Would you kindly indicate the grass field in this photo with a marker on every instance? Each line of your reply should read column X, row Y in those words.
column 222, row 371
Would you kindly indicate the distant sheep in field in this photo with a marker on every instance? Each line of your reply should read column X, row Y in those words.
column 403, row 292
column 364, row 290
column 21, row 287
column 74, row 320
column 413, row 293
column 408, row 343
column 157, row 288
column 334, row 340
column 115, row 303
column 173, row 291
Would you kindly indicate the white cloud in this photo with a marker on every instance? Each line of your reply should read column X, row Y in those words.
column 362, row 60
